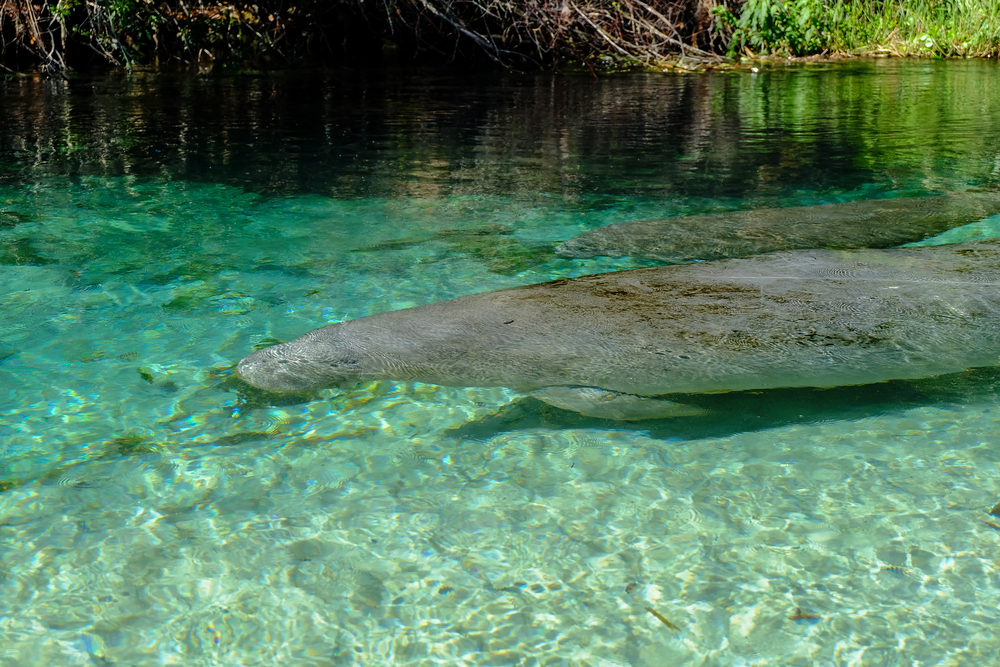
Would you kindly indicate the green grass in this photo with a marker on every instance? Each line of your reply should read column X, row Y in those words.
column 923, row 28
column 949, row 28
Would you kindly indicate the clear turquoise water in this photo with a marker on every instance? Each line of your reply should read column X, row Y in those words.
column 153, row 229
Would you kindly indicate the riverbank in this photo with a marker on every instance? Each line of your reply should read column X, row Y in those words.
column 597, row 35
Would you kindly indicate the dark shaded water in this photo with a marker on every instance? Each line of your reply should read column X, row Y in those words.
column 760, row 137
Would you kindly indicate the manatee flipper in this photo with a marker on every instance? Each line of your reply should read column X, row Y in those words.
column 604, row 404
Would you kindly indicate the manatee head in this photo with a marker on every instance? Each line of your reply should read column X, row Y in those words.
column 321, row 358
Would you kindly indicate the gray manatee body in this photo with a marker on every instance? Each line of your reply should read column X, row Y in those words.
column 817, row 318
column 880, row 223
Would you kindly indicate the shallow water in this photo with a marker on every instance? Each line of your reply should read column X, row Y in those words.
column 154, row 229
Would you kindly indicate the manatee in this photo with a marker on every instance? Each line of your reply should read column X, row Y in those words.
column 880, row 223
column 595, row 402
column 816, row 318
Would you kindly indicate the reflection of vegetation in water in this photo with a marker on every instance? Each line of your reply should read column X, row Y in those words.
column 488, row 244
column 819, row 127
column 873, row 102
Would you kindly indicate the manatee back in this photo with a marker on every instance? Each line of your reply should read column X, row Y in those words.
column 802, row 318
column 880, row 223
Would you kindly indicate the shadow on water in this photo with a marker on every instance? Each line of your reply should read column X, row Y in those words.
column 737, row 412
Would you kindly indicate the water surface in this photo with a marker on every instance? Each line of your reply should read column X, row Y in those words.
column 156, row 228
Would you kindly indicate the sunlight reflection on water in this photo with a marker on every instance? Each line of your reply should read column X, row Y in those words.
column 154, row 512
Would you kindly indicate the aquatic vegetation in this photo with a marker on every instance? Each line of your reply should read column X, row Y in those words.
column 190, row 298
column 457, row 237
column 239, row 438
column 663, row 619
column 800, row 616
column 21, row 252
column 266, row 341
column 167, row 386
column 489, row 245
column 131, row 444
column 10, row 219
column 220, row 373
column 300, row 270
column 188, row 272
column 91, row 355
column 506, row 256
column 397, row 244
column 512, row 588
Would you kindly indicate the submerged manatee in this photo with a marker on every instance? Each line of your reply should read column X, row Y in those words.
column 817, row 318
column 880, row 223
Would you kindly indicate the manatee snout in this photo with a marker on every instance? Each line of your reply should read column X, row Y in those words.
column 285, row 367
